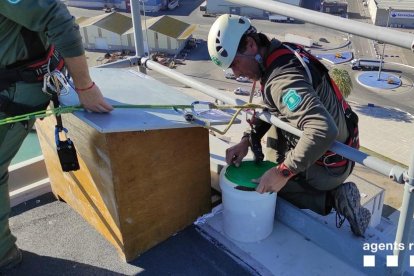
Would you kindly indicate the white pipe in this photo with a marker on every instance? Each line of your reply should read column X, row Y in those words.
column 138, row 37
column 389, row 36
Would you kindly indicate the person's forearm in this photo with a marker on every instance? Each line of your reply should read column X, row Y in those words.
column 90, row 96
column 79, row 71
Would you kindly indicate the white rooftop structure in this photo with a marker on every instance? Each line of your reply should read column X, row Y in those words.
column 395, row 4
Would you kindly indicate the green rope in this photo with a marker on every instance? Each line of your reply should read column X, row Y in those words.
column 70, row 109
column 39, row 114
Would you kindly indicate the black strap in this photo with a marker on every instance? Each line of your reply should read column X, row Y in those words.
column 31, row 71
column 56, row 104
column 10, row 76
column 4, row 103
column 33, row 43
column 34, row 46
column 14, row 109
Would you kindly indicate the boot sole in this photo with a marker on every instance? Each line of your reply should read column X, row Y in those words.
column 359, row 217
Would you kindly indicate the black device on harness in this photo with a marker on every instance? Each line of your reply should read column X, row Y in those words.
column 65, row 148
column 329, row 159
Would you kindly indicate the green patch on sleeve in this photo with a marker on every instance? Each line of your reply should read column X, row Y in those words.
column 292, row 99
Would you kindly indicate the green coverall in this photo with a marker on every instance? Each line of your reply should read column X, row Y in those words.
column 51, row 20
column 319, row 114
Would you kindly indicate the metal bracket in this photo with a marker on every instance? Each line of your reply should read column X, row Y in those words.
column 398, row 174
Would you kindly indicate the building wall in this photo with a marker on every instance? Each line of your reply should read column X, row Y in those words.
column 222, row 7
column 95, row 38
column 372, row 10
column 163, row 43
column 152, row 5
column 156, row 43
column 397, row 18
column 380, row 17
column 149, row 5
column 97, row 4
column 340, row 8
column 401, row 18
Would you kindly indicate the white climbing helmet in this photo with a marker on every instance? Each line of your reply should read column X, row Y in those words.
column 224, row 38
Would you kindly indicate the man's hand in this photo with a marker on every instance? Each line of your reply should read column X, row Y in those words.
column 236, row 153
column 93, row 100
column 90, row 95
column 271, row 181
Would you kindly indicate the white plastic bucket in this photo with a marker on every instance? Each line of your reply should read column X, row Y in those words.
column 247, row 215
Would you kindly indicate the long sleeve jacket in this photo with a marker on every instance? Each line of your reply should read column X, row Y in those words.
column 49, row 18
column 312, row 108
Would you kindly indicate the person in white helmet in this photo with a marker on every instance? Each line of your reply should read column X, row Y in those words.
column 297, row 89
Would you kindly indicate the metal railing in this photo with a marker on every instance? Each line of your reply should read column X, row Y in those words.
column 393, row 37
column 389, row 36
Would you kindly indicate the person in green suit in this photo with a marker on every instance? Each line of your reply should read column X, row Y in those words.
column 34, row 35
column 297, row 89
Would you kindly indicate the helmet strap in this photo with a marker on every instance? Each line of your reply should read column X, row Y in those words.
column 259, row 60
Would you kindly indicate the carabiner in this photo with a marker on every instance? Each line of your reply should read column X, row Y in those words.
column 209, row 105
column 59, row 129
column 55, row 83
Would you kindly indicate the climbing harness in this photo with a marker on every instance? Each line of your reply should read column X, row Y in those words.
column 45, row 65
column 31, row 71
column 329, row 159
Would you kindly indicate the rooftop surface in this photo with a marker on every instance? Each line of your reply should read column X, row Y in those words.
column 56, row 240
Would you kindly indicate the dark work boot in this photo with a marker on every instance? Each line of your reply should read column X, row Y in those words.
column 347, row 203
column 12, row 258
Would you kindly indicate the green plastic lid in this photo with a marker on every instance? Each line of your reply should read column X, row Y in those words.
column 248, row 170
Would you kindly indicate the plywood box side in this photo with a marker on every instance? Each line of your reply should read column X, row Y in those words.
column 80, row 189
column 163, row 182
column 93, row 148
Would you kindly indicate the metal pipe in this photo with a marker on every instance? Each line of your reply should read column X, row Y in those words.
column 383, row 47
column 392, row 171
column 138, row 37
column 393, row 37
column 122, row 63
column 406, row 215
